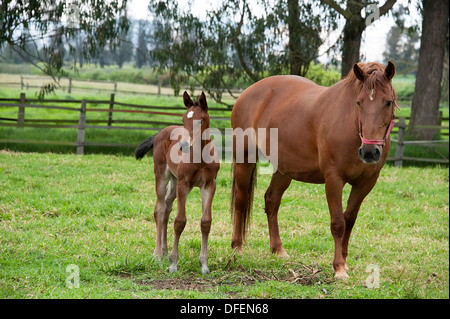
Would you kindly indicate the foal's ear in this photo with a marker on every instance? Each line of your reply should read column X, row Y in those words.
column 202, row 101
column 360, row 75
column 187, row 100
column 389, row 71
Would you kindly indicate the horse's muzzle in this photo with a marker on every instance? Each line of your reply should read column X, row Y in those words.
column 370, row 153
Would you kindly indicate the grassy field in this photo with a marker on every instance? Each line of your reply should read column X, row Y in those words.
column 96, row 212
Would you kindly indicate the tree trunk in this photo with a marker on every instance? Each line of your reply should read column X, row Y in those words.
column 295, row 60
column 353, row 30
column 427, row 93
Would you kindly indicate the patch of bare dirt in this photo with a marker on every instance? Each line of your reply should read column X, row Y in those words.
column 295, row 273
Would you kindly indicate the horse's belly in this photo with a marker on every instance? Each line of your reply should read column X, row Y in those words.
column 303, row 172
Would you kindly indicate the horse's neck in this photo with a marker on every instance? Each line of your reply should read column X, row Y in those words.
column 345, row 97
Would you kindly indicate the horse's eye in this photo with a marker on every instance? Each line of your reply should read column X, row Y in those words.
column 359, row 104
column 388, row 104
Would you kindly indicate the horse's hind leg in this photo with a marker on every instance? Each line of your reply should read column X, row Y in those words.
column 278, row 185
column 207, row 197
column 179, row 223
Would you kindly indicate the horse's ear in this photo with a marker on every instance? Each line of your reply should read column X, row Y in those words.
column 389, row 71
column 202, row 101
column 360, row 75
column 187, row 100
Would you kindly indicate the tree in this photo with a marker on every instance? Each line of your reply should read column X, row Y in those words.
column 233, row 44
column 49, row 23
column 401, row 49
column 355, row 24
column 141, row 49
column 427, row 93
column 122, row 50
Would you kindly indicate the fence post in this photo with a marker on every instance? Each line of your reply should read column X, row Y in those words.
column 115, row 86
column 81, row 128
column 21, row 82
column 400, row 143
column 21, row 113
column 111, row 106
column 69, row 89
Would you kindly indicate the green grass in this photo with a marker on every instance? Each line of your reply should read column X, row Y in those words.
column 96, row 212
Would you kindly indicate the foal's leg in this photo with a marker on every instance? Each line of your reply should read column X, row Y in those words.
column 180, row 221
column 162, row 178
column 170, row 197
column 357, row 195
column 207, row 197
column 278, row 185
column 333, row 189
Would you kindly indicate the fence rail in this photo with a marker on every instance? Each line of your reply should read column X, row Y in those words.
column 68, row 84
column 155, row 123
column 82, row 123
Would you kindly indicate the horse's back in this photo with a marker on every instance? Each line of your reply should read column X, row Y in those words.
column 276, row 94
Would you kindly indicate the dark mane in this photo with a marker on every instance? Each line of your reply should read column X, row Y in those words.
column 375, row 77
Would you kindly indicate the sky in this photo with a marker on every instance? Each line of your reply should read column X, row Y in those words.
column 374, row 37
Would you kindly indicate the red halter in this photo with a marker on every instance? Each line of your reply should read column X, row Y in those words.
column 389, row 129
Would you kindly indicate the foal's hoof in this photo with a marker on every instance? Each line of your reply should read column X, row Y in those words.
column 173, row 268
column 205, row 270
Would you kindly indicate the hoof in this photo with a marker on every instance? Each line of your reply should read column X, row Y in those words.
column 173, row 268
column 282, row 254
column 238, row 251
column 205, row 270
column 341, row 275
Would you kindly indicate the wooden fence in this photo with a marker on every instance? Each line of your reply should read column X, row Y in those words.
column 81, row 124
column 402, row 143
column 26, row 82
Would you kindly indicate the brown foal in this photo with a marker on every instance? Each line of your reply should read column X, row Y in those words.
column 184, row 157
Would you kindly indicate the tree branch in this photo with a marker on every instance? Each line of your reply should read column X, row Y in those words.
column 387, row 6
column 333, row 4
column 239, row 49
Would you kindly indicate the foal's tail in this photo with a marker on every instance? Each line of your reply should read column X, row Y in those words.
column 244, row 219
column 144, row 147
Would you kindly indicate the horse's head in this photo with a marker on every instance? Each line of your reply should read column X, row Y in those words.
column 376, row 108
column 195, row 121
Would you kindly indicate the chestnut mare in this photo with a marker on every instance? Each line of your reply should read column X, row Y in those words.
column 177, row 172
column 333, row 135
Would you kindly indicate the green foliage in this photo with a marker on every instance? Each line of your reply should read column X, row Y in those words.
column 233, row 44
column 58, row 25
column 322, row 76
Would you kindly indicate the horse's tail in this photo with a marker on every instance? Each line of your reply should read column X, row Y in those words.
column 144, row 147
column 245, row 217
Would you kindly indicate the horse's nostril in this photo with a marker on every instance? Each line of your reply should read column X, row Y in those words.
column 360, row 152
column 377, row 154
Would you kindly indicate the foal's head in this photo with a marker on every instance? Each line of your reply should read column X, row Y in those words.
column 376, row 108
column 195, row 121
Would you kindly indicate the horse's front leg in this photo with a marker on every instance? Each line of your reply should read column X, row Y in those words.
column 179, row 223
column 207, row 193
column 333, row 189
column 358, row 193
